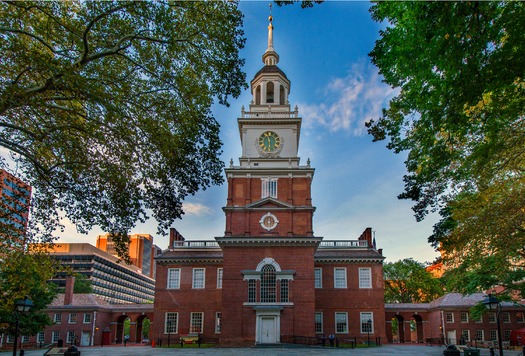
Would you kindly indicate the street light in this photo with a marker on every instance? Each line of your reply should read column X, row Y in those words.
column 21, row 306
column 369, row 328
column 492, row 303
column 169, row 331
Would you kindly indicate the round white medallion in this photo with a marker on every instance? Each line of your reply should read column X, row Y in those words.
column 268, row 221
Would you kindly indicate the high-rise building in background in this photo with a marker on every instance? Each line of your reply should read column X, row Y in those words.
column 14, row 210
column 141, row 251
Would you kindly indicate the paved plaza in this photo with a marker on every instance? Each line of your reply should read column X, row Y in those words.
column 408, row 350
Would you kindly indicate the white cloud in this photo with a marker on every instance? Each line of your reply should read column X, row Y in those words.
column 347, row 103
column 196, row 209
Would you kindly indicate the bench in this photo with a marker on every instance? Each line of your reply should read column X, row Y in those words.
column 189, row 338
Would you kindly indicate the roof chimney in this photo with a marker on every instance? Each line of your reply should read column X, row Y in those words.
column 70, row 285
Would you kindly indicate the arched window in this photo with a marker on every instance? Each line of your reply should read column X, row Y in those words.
column 258, row 95
column 268, row 284
column 281, row 95
column 269, row 92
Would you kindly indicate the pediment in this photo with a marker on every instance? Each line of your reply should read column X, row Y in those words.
column 268, row 202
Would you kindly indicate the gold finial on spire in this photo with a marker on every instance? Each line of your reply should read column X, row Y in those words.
column 270, row 18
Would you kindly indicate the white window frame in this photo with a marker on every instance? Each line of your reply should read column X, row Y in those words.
column 464, row 317
column 482, row 332
column 173, row 317
column 363, row 318
column 493, row 335
column 55, row 336
column 87, row 318
column 72, row 319
column 505, row 317
column 520, row 318
column 344, row 315
column 467, row 336
column 194, row 316
column 220, row 272
column 449, row 317
column 318, row 277
column 218, row 322
column 339, row 281
column 269, row 187
column 57, row 318
column 41, row 337
column 365, row 277
column 198, row 282
column 70, row 337
column 24, row 339
column 173, row 278
column 492, row 317
column 319, row 321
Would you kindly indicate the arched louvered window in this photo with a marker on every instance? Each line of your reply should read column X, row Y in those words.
column 268, row 284
column 269, row 92
column 281, row 95
column 258, row 95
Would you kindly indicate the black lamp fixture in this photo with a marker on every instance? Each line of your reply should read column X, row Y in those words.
column 493, row 303
column 21, row 306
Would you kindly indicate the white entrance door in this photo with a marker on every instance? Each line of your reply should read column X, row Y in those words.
column 268, row 334
column 84, row 341
column 451, row 336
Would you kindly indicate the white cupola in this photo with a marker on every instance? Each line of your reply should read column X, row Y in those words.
column 270, row 87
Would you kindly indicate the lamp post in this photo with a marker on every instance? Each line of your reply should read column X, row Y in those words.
column 21, row 306
column 492, row 303
column 369, row 328
column 169, row 331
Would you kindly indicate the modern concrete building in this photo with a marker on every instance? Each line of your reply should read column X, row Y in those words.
column 15, row 197
column 112, row 279
column 269, row 279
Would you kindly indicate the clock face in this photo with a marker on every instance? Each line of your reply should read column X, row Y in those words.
column 269, row 142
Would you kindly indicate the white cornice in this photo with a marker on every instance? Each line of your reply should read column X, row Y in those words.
column 269, row 241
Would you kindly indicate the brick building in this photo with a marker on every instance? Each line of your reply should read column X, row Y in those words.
column 269, row 279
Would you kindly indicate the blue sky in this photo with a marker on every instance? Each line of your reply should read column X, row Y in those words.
column 324, row 52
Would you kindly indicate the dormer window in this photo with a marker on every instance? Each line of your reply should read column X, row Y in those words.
column 269, row 92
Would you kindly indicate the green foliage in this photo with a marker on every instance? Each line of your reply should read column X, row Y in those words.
column 82, row 285
column 407, row 281
column 146, row 326
column 23, row 274
column 105, row 106
column 460, row 114
column 304, row 3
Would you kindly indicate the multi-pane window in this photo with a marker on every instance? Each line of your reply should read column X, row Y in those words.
column 465, row 335
column 319, row 322
column 284, row 290
column 318, row 277
column 367, row 322
column 449, row 317
column 219, row 278
column 341, row 323
column 492, row 317
column 339, row 277
column 493, row 335
column 198, row 278
column 57, row 318
column 25, row 339
column 268, row 284
column 479, row 320
column 41, row 337
column 72, row 318
column 70, row 337
column 252, row 291
column 519, row 317
column 173, row 278
column 506, row 334
column 55, row 336
column 464, row 317
column 480, row 335
column 365, row 277
column 506, row 317
column 87, row 318
column 269, row 187
column 171, row 323
column 196, row 322
column 218, row 322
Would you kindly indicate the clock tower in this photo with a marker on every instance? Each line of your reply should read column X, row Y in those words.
column 268, row 244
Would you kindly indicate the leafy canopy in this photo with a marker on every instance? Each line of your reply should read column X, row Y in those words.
column 460, row 71
column 105, row 105
column 407, row 281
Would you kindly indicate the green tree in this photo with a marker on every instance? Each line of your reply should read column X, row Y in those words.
column 105, row 105
column 26, row 274
column 82, row 285
column 407, row 281
column 460, row 114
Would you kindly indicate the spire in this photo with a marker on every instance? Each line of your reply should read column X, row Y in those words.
column 270, row 57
